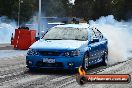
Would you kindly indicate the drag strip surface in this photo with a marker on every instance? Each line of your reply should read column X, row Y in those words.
column 14, row 74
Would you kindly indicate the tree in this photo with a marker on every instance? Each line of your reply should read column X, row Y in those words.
column 116, row 8
column 93, row 9
column 6, row 8
column 57, row 8
column 84, row 8
column 27, row 9
column 128, row 9
column 10, row 9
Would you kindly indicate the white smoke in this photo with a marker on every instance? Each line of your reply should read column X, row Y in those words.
column 72, row 1
column 33, row 23
column 119, row 35
column 7, row 27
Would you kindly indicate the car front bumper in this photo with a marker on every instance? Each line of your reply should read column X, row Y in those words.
column 61, row 62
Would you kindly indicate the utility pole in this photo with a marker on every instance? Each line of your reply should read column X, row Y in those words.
column 19, row 3
column 39, row 20
column 19, row 11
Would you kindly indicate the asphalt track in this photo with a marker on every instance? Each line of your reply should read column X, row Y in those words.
column 14, row 74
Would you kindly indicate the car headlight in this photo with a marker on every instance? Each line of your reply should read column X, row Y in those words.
column 72, row 53
column 32, row 52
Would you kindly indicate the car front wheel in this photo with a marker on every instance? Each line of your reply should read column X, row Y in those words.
column 85, row 62
column 105, row 58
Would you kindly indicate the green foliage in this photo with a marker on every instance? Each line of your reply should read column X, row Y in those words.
column 10, row 9
column 84, row 8
column 88, row 9
column 55, row 7
column 27, row 9
column 93, row 9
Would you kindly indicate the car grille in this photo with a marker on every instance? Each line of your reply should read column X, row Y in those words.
column 49, row 53
column 42, row 64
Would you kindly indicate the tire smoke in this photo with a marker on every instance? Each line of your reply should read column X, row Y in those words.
column 119, row 35
column 7, row 27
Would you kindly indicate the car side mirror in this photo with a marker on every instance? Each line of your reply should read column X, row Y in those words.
column 37, row 38
column 94, row 40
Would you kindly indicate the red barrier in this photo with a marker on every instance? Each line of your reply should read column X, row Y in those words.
column 24, row 38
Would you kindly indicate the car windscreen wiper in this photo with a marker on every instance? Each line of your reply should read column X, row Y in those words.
column 53, row 39
column 78, row 39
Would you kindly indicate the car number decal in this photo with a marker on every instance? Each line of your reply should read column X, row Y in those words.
column 48, row 60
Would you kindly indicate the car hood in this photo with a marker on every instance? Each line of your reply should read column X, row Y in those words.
column 58, row 44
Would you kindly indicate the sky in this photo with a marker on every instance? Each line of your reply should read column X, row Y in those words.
column 72, row 1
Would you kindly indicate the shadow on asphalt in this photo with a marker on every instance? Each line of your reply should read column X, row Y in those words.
column 52, row 72
column 58, row 72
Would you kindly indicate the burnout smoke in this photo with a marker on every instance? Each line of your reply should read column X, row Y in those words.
column 119, row 35
column 7, row 27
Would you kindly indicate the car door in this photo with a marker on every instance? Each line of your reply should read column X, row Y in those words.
column 94, row 48
column 102, row 42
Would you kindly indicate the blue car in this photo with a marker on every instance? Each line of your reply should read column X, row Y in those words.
column 68, row 46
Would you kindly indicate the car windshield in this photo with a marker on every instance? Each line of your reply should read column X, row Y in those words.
column 68, row 33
